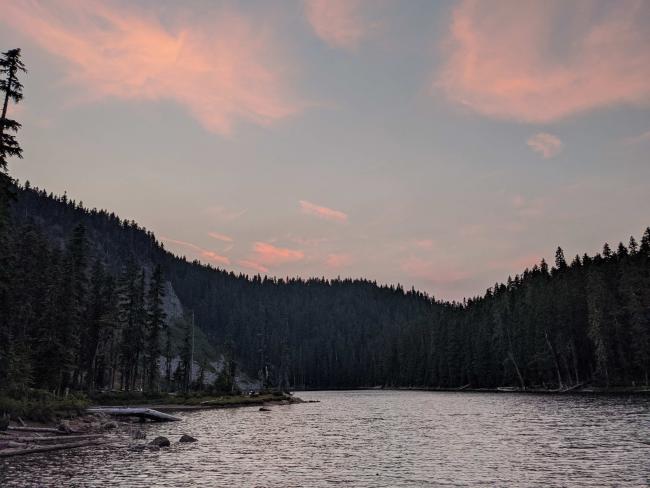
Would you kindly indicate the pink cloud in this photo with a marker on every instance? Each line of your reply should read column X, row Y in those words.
column 222, row 69
column 323, row 212
column 200, row 252
column 252, row 265
column 339, row 23
column 220, row 237
column 269, row 255
column 543, row 61
column 334, row 261
column 545, row 144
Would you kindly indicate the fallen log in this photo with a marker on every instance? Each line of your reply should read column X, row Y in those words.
column 7, row 444
column 38, row 429
column 66, row 438
column 52, row 447
column 143, row 413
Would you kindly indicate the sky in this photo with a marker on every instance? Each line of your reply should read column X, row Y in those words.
column 442, row 145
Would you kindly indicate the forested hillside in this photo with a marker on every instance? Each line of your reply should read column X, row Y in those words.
column 83, row 310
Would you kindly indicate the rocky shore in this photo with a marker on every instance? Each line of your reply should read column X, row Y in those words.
column 109, row 425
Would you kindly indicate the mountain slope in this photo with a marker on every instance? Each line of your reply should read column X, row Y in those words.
column 588, row 321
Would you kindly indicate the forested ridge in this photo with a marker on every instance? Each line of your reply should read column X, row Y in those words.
column 79, row 309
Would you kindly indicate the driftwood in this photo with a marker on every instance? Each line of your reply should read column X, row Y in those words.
column 56, row 438
column 143, row 413
column 47, row 448
column 8, row 444
column 38, row 429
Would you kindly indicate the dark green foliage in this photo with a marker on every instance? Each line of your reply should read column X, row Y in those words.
column 11, row 88
column 155, row 324
column 41, row 405
column 66, row 322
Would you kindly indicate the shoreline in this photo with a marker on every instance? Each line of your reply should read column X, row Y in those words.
column 623, row 391
column 85, row 428
column 208, row 405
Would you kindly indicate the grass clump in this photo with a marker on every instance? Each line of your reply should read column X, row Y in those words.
column 40, row 405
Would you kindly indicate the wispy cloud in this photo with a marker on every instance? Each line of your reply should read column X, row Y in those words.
column 542, row 61
column 339, row 23
column 545, row 144
column 200, row 252
column 269, row 255
column 224, row 214
column 222, row 69
column 340, row 260
column 252, row 265
column 220, row 237
column 322, row 212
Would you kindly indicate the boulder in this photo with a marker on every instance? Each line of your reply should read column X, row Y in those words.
column 263, row 409
column 64, row 426
column 138, row 434
column 160, row 441
column 187, row 438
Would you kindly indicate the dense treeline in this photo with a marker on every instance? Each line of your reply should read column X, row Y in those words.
column 587, row 321
column 67, row 323
column 583, row 322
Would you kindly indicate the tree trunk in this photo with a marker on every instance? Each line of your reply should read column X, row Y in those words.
column 521, row 378
column 557, row 364
column 54, row 447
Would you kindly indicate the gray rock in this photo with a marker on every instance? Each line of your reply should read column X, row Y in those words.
column 64, row 426
column 187, row 438
column 262, row 409
column 160, row 441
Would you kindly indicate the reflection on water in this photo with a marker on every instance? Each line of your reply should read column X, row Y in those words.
column 376, row 439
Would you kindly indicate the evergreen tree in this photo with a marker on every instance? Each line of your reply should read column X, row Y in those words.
column 155, row 324
column 11, row 66
column 560, row 262
column 185, row 366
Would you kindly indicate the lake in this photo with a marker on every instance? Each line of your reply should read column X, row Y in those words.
column 376, row 439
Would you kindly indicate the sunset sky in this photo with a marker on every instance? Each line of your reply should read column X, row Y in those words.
column 441, row 145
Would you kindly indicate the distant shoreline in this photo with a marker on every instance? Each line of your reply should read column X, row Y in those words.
column 623, row 391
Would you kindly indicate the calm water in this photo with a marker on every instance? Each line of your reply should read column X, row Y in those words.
column 377, row 439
